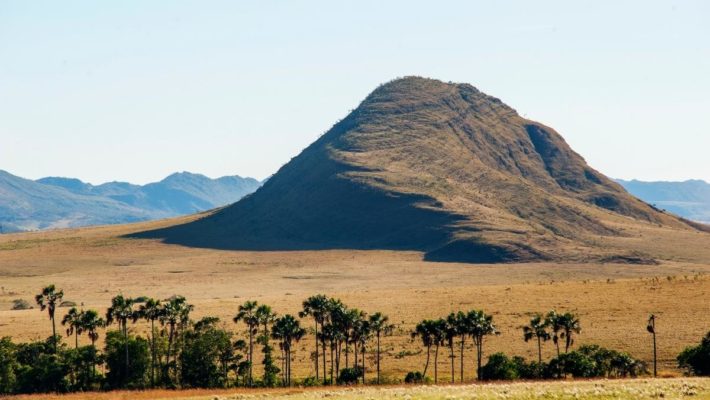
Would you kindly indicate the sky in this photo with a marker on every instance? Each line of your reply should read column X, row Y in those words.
column 136, row 90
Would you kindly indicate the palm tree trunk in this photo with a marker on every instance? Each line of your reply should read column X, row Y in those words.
column 317, row 359
column 480, row 357
column 539, row 350
column 125, row 343
column 463, row 338
column 428, row 353
column 451, row 348
column 152, row 353
column 436, row 365
column 378, row 358
column 332, row 362
column 76, row 339
column 251, row 354
column 325, row 354
column 54, row 335
column 363, row 363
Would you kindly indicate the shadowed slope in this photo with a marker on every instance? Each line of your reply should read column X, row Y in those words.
column 429, row 166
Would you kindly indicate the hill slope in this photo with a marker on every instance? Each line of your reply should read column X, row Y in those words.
column 65, row 202
column 436, row 167
column 689, row 199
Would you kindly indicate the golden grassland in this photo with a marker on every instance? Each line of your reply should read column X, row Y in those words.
column 613, row 300
column 678, row 388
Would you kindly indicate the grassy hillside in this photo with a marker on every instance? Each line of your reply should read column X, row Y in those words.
column 435, row 167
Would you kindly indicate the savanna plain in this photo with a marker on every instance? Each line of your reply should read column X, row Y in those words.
column 612, row 300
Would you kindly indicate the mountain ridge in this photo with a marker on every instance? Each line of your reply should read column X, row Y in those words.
column 58, row 202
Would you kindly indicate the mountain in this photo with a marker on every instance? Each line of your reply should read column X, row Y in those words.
column 56, row 202
column 689, row 199
column 436, row 167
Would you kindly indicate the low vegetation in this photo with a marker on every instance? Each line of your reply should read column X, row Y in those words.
column 179, row 352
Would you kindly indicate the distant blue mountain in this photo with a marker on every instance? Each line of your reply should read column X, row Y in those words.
column 56, row 202
column 689, row 199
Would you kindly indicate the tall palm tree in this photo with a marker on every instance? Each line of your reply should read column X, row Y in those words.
column 537, row 329
column 362, row 332
column 379, row 324
column 554, row 322
column 288, row 330
column 424, row 331
column 91, row 322
column 463, row 329
column 48, row 300
column 121, row 311
column 73, row 321
column 438, row 332
column 316, row 307
column 175, row 313
column 451, row 331
column 247, row 313
column 481, row 326
column 150, row 311
column 570, row 326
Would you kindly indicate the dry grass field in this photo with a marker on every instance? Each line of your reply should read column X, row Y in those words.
column 613, row 300
column 695, row 388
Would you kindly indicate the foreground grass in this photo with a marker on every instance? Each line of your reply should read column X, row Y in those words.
column 677, row 388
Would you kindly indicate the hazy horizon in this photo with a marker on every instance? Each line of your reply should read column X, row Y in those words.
column 134, row 91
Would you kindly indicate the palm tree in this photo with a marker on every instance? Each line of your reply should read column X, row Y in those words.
column 175, row 313
column 48, row 300
column 288, row 330
column 247, row 313
column 463, row 329
column 316, row 307
column 450, row 333
column 537, row 329
column 90, row 323
column 150, row 311
column 379, row 323
column 73, row 321
column 121, row 311
column 362, row 332
column 553, row 321
column 481, row 326
column 570, row 326
column 424, row 330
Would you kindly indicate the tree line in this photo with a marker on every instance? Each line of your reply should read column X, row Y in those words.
column 179, row 352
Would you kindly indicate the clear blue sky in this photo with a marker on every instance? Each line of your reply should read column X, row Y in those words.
column 135, row 90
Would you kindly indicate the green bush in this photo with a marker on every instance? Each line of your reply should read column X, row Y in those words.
column 696, row 360
column 134, row 374
column 414, row 377
column 349, row 376
column 499, row 367
column 8, row 366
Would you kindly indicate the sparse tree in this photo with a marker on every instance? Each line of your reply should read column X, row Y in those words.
column 379, row 324
column 287, row 330
column 121, row 311
column 537, row 329
column 481, row 326
column 73, row 322
column 247, row 314
column 150, row 311
column 651, row 328
column 48, row 300
column 316, row 307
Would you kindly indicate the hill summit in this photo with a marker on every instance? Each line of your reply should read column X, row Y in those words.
column 435, row 167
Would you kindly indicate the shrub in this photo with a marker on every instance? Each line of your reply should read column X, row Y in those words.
column 8, row 366
column 132, row 376
column 414, row 377
column 696, row 360
column 499, row 367
column 20, row 304
column 349, row 376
